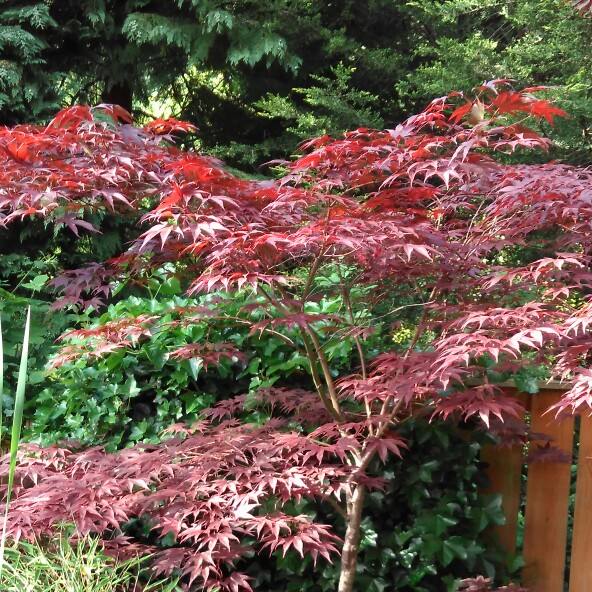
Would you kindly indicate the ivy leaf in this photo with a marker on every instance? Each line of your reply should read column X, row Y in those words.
column 453, row 548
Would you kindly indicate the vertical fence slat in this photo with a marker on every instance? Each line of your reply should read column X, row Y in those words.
column 547, row 500
column 580, row 577
column 505, row 477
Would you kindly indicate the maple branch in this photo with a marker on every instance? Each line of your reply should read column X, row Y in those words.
column 273, row 332
column 392, row 311
column 473, row 223
column 329, row 382
column 276, row 303
column 312, row 274
column 412, row 344
column 335, row 506
column 326, row 372
column 367, row 457
column 348, row 306
column 420, row 324
column 313, row 352
column 334, row 411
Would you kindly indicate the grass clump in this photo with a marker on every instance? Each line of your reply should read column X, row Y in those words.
column 67, row 565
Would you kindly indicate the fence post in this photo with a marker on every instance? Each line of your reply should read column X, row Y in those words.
column 505, row 477
column 547, row 502
column 580, row 573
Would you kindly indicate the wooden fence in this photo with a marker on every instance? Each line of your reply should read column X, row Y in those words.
column 547, row 500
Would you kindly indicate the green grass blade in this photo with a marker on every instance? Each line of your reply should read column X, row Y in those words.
column 17, row 420
column 1, row 378
column 19, row 404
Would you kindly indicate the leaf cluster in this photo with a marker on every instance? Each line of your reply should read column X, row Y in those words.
column 546, row 43
column 426, row 527
column 135, row 388
column 218, row 489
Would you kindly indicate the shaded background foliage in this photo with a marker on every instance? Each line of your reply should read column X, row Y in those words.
column 257, row 77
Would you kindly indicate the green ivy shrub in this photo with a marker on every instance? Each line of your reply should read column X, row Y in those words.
column 22, row 285
column 135, row 392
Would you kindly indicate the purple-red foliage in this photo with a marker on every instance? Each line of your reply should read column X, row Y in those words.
column 218, row 486
column 481, row 584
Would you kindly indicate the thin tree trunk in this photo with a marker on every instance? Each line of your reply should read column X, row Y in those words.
column 349, row 555
column 121, row 94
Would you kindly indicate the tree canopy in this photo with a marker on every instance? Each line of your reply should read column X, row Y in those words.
column 374, row 219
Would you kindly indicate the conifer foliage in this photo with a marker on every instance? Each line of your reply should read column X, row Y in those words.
column 425, row 225
column 23, row 83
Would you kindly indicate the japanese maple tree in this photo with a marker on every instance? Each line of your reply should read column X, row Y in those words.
column 427, row 228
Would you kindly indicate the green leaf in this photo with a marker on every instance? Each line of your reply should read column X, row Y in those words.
column 454, row 548
column 17, row 420
column 114, row 359
column 443, row 522
column 131, row 387
column 9, row 296
column 194, row 365
column 36, row 377
column 37, row 283
column 526, row 384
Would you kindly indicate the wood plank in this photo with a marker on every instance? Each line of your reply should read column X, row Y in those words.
column 547, row 502
column 505, row 477
column 580, row 578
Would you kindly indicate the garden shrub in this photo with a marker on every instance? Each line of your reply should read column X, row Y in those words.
column 421, row 220
column 137, row 390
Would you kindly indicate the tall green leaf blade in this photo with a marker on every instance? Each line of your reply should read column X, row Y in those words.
column 1, row 376
column 19, row 404
column 17, row 420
